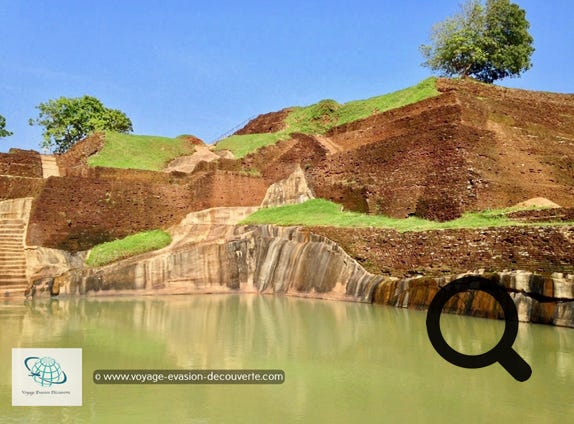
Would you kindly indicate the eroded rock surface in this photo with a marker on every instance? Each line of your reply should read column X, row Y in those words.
column 289, row 191
column 538, row 299
column 227, row 258
column 210, row 253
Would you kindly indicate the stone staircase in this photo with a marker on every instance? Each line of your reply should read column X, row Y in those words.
column 13, row 222
column 49, row 166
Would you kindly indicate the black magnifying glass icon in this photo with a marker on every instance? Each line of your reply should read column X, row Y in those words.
column 502, row 352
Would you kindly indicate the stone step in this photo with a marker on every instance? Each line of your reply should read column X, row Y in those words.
column 12, row 223
column 10, row 251
column 11, row 229
column 11, row 281
column 10, row 215
column 16, row 268
column 7, row 255
column 49, row 166
column 15, row 286
column 13, row 265
column 6, row 263
column 12, row 269
column 12, row 261
column 10, row 272
column 16, row 290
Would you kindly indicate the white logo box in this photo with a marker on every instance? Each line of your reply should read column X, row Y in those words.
column 46, row 377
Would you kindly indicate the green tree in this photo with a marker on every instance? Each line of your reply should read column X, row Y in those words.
column 68, row 120
column 3, row 131
column 487, row 41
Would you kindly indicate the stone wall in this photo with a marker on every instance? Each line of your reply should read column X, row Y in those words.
column 17, row 187
column 75, row 161
column 224, row 189
column 411, row 161
column 544, row 250
column 75, row 213
column 21, row 163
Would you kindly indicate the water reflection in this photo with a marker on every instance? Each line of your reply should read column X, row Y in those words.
column 344, row 362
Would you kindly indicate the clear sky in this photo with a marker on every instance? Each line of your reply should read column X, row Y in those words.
column 202, row 68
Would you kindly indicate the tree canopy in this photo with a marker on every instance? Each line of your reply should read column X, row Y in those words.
column 68, row 120
column 487, row 41
column 3, row 131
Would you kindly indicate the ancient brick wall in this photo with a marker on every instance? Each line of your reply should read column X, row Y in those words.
column 266, row 123
column 222, row 188
column 21, row 163
column 75, row 213
column 75, row 160
column 278, row 161
column 537, row 249
column 18, row 187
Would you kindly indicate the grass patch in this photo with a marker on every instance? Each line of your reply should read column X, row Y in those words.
column 241, row 145
column 250, row 172
column 320, row 117
column 136, row 244
column 320, row 212
column 139, row 151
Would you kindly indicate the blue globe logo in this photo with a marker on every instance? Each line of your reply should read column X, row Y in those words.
column 46, row 371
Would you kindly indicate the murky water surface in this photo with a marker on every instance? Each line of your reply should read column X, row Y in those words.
column 343, row 362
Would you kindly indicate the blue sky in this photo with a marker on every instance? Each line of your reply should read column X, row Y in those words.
column 188, row 67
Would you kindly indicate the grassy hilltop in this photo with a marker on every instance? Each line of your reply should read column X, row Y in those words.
column 139, row 151
column 320, row 117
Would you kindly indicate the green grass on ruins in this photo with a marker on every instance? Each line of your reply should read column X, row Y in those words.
column 242, row 145
column 136, row 244
column 139, row 151
column 322, row 212
column 321, row 117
